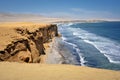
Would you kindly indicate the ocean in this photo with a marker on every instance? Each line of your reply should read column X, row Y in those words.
column 90, row 44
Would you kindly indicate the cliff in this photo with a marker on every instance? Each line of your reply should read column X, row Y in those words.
column 26, row 42
column 23, row 42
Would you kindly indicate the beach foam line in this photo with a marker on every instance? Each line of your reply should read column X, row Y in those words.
column 74, row 45
column 60, row 54
column 64, row 38
column 104, row 52
column 81, row 58
column 109, row 48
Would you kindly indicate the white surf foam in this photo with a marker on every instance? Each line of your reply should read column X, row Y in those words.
column 82, row 60
column 71, row 44
column 64, row 38
column 109, row 48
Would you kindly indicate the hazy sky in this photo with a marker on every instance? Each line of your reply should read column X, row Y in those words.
column 82, row 9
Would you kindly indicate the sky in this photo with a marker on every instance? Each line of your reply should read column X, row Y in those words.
column 78, row 9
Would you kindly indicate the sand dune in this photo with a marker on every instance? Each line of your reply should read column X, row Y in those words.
column 17, row 71
column 24, row 17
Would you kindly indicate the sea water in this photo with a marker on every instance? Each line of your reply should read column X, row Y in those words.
column 91, row 44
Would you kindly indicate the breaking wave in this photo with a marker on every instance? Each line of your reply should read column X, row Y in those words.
column 108, row 47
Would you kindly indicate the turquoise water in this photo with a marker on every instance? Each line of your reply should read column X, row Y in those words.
column 93, row 44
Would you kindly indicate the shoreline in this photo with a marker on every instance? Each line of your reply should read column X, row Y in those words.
column 45, row 70
column 24, row 42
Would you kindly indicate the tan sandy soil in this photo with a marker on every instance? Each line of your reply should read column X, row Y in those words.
column 19, row 71
column 12, row 17
column 8, row 33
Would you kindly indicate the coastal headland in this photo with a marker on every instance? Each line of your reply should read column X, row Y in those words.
column 26, row 43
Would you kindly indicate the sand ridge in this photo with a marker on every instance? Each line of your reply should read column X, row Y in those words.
column 23, row 71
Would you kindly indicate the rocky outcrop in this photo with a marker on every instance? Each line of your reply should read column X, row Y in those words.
column 30, row 48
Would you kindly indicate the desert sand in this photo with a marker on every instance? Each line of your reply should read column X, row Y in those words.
column 14, row 17
column 23, row 71
column 8, row 34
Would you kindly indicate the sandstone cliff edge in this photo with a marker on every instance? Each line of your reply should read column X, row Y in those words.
column 23, row 42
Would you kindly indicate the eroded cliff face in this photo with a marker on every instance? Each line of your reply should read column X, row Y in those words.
column 30, row 48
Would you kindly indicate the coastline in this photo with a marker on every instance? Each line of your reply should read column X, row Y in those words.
column 24, row 42
column 46, row 70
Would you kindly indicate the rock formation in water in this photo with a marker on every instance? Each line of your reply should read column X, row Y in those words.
column 30, row 47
